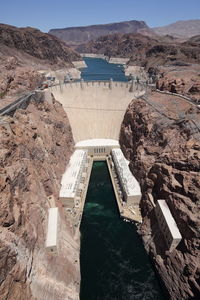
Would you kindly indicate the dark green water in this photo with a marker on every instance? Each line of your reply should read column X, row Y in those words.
column 100, row 69
column 114, row 264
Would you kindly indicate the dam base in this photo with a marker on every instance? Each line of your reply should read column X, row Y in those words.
column 97, row 150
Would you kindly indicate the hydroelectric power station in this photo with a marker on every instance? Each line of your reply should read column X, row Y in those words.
column 95, row 110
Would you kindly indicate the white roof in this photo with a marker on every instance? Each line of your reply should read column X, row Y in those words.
column 97, row 142
column 51, row 239
column 69, row 180
column 169, row 219
column 130, row 184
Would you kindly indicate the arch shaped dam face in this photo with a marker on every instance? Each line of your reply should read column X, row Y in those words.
column 95, row 109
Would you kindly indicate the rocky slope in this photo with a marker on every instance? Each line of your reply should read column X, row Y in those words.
column 183, row 29
column 36, row 144
column 15, row 78
column 118, row 45
column 24, row 51
column 77, row 35
column 183, row 80
column 161, row 138
column 176, row 65
column 180, row 69
column 37, row 44
column 144, row 50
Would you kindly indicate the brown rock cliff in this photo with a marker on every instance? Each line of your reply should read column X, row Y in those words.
column 24, row 52
column 36, row 144
column 161, row 138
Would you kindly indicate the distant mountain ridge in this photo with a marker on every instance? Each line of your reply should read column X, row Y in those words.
column 83, row 34
column 78, row 35
column 181, row 29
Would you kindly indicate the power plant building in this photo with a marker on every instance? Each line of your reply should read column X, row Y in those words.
column 98, row 147
column 129, row 185
column 167, row 225
column 71, row 179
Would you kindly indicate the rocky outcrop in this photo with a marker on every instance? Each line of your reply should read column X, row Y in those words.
column 172, row 64
column 143, row 50
column 182, row 80
column 78, row 35
column 36, row 144
column 17, row 79
column 119, row 45
column 24, row 52
column 37, row 44
column 161, row 138
column 182, row 77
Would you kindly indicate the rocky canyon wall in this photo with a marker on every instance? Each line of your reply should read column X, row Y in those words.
column 36, row 144
column 160, row 136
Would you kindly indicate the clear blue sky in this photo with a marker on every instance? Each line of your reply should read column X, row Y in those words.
column 49, row 14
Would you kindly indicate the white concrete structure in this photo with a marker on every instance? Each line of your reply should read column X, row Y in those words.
column 96, row 109
column 71, row 179
column 92, row 55
column 74, row 73
column 118, row 60
column 167, row 224
column 79, row 64
column 98, row 147
column 136, row 71
column 112, row 60
column 52, row 230
column 129, row 185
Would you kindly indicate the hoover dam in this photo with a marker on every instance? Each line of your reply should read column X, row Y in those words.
column 96, row 109
column 92, row 194
column 99, row 163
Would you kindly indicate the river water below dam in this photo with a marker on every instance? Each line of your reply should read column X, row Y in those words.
column 114, row 264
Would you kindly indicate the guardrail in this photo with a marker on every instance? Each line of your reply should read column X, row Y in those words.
column 21, row 102
column 140, row 85
column 179, row 95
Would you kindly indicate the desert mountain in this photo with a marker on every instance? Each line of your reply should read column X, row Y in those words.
column 145, row 50
column 77, row 35
column 176, row 64
column 24, row 51
column 181, row 29
column 36, row 44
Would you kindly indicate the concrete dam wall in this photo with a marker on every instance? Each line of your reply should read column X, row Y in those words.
column 96, row 109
